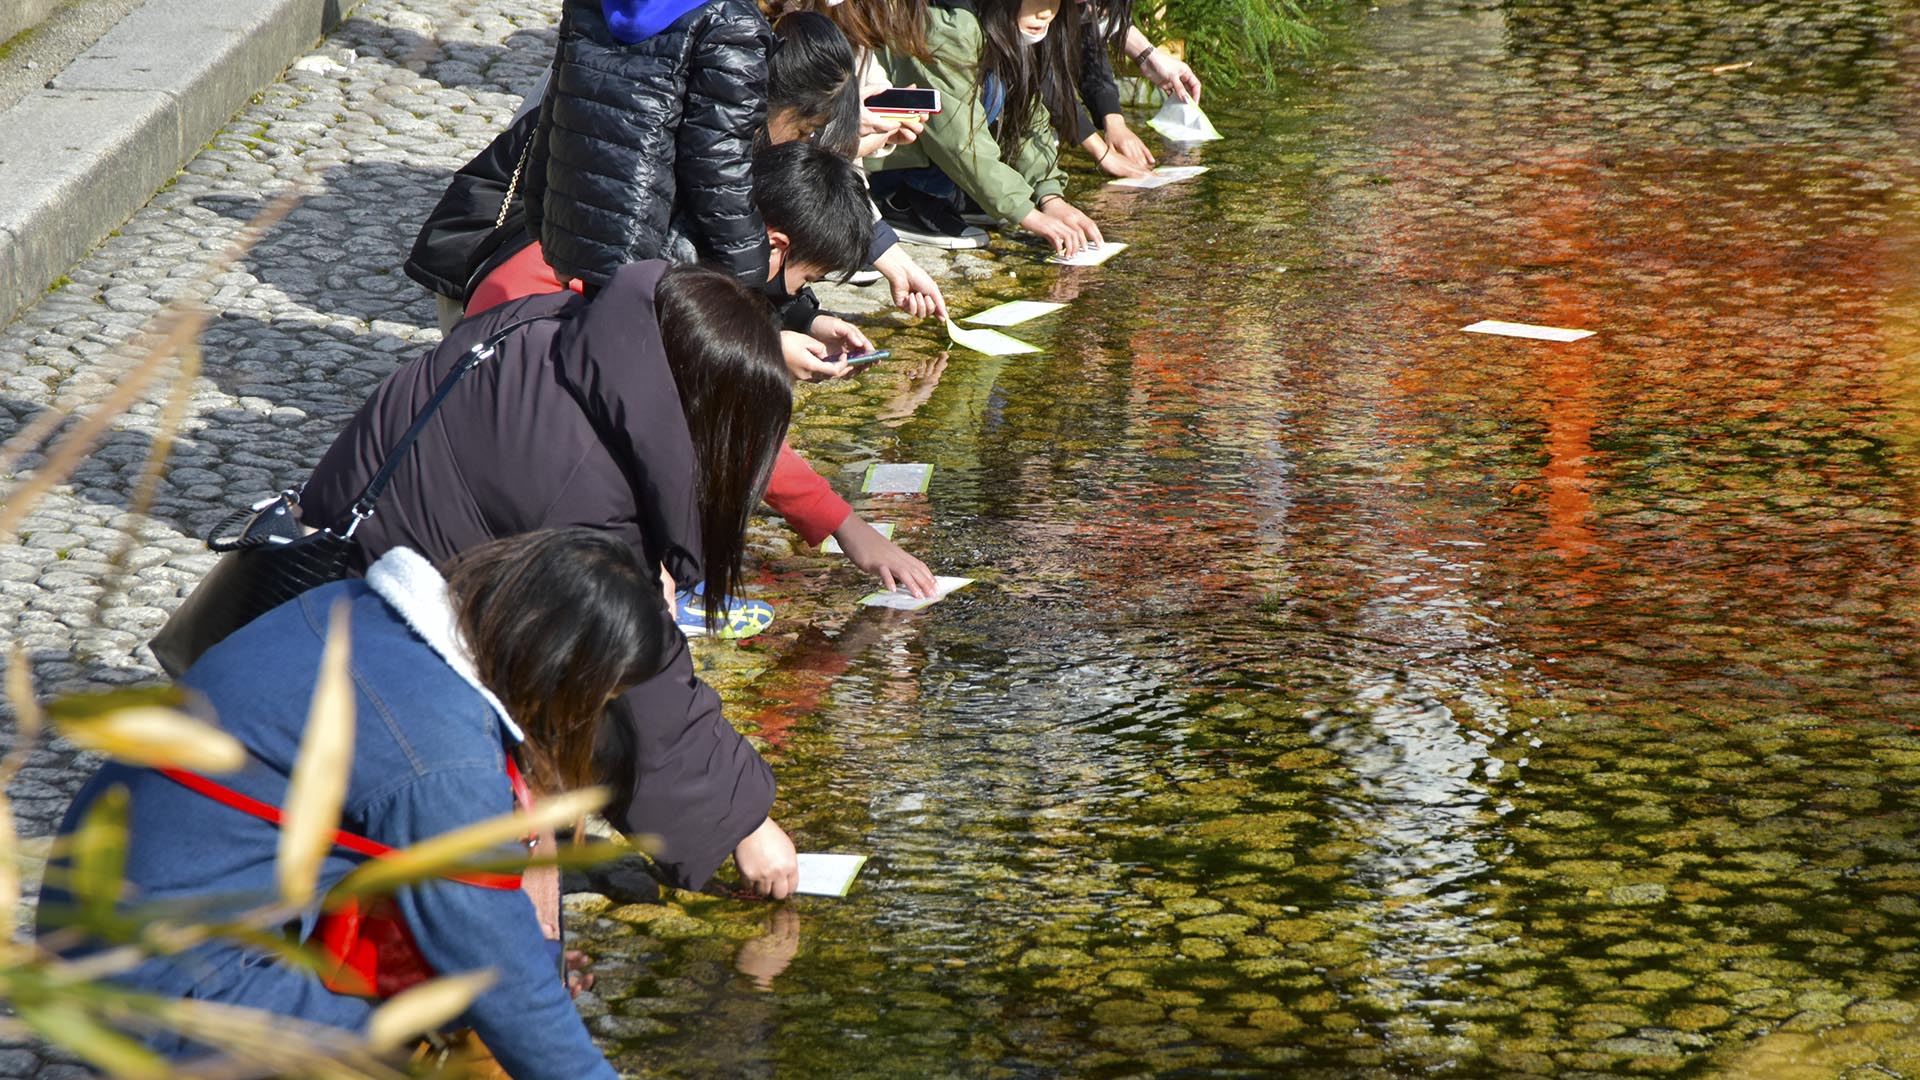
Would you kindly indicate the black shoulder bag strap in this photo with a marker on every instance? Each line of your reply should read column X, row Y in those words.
column 363, row 506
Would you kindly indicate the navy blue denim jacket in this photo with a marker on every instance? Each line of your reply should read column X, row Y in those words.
column 429, row 757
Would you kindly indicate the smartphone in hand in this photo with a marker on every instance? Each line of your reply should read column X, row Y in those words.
column 901, row 100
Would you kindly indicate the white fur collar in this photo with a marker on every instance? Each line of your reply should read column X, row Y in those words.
column 413, row 588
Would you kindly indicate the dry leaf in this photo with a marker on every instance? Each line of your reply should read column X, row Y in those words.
column 155, row 736
column 424, row 1008
column 450, row 851
column 26, row 706
column 319, row 783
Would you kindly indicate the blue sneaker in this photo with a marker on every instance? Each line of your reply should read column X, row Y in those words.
column 744, row 618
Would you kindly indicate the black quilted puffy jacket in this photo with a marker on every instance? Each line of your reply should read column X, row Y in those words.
column 640, row 143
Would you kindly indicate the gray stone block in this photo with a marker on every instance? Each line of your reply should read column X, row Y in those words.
column 77, row 159
column 72, row 167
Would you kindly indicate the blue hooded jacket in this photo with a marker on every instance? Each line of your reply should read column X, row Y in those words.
column 637, row 20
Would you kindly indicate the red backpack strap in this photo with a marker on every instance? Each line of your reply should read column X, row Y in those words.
column 354, row 842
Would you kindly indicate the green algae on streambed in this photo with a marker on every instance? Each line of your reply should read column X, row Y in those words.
column 1345, row 696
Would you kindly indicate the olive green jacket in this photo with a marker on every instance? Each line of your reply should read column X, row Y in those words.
column 957, row 140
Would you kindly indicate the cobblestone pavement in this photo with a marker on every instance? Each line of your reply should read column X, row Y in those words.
column 369, row 125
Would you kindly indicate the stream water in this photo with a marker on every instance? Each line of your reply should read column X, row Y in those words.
column 1347, row 696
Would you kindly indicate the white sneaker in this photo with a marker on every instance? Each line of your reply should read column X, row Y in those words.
column 863, row 277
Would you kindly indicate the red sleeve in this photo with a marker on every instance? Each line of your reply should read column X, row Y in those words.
column 526, row 274
column 804, row 498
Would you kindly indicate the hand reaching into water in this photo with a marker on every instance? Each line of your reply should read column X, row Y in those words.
column 877, row 555
column 914, row 290
column 1173, row 76
column 1127, row 144
column 1110, row 160
column 768, row 863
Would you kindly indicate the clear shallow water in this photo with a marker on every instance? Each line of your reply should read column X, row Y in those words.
column 1347, row 696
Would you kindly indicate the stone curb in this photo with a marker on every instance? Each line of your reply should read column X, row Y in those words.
column 79, row 157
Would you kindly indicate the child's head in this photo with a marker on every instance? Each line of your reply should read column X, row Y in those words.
column 1033, row 48
column 815, row 207
column 812, row 90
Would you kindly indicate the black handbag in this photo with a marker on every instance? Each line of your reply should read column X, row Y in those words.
column 268, row 557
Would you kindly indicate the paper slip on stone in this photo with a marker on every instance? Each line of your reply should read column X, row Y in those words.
column 1160, row 177
column 1526, row 330
column 832, row 544
column 1092, row 256
column 1013, row 312
column 990, row 342
column 899, row 600
column 1183, row 122
column 897, row 479
column 828, row 875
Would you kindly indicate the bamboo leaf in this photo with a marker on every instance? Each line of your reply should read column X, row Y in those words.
column 319, row 783
column 424, row 1008
column 26, row 705
column 157, row 736
column 448, row 852
column 9, row 856
column 98, row 852
column 65, row 1023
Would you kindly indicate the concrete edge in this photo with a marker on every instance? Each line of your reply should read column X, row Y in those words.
column 80, row 157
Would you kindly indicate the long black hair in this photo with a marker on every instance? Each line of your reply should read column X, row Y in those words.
column 811, row 76
column 1044, row 76
column 1110, row 20
column 558, row 621
column 724, row 350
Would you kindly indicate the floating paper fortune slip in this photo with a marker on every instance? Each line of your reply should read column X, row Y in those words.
column 1160, row 177
column 1183, row 122
column 1014, row 312
column 828, row 875
column 991, row 342
column 897, row 479
column 1091, row 256
column 1526, row 330
column 832, row 545
column 900, row 600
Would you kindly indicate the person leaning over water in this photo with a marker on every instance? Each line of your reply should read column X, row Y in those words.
column 652, row 411
column 1000, row 67
column 511, row 654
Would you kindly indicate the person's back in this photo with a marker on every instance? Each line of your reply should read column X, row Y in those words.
column 429, row 756
column 514, row 448
column 582, row 422
column 635, row 135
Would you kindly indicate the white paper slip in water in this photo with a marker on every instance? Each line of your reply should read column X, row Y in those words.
column 1526, row 330
column 991, row 342
column 897, row 479
column 832, row 545
column 1160, row 177
column 1091, row 256
column 1014, row 312
column 1183, row 122
column 901, row 600
column 828, row 875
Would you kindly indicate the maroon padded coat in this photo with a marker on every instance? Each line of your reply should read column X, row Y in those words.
column 576, row 421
